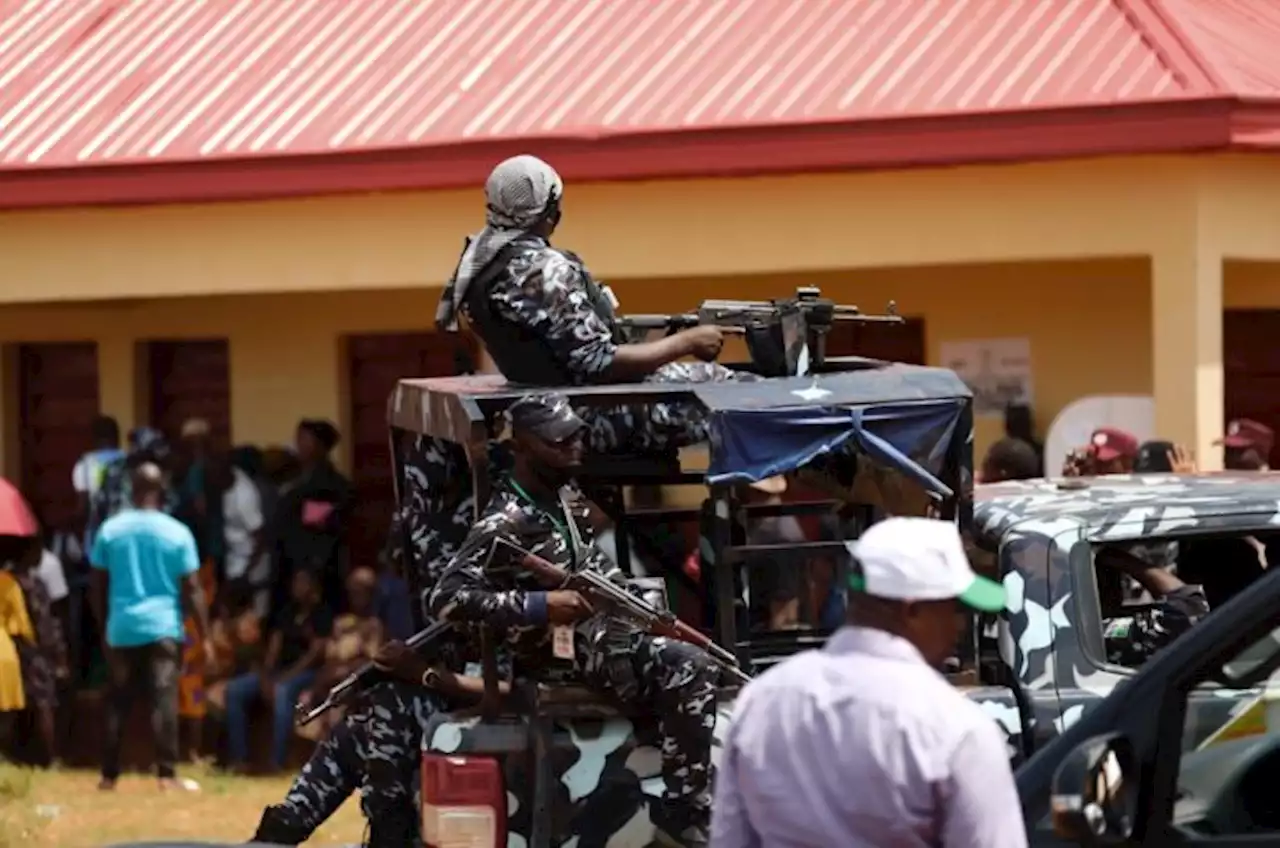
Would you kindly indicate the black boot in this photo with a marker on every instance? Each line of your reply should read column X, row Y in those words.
column 279, row 827
column 396, row 829
column 682, row 825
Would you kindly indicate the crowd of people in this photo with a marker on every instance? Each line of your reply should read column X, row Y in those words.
column 1246, row 446
column 252, row 548
column 227, row 584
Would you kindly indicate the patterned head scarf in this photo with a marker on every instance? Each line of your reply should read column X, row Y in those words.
column 148, row 441
column 519, row 193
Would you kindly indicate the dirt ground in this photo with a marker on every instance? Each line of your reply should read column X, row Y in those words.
column 44, row 809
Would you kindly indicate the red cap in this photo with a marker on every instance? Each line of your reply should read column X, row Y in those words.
column 1108, row 443
column 1246, row 433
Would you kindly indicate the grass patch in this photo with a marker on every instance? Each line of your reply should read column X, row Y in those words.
column 64, row 809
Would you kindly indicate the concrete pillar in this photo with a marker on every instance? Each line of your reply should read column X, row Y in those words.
column 119, row 381
column 1186, row 309
column 279, row 377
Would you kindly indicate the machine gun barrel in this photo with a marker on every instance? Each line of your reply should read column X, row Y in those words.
column 775, row 330
column 712, row 311
column 853, row 313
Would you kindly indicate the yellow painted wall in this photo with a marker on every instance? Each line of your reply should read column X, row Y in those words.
column 286, row 356
column 284, row 280
column 285, row 359
column 639, row 230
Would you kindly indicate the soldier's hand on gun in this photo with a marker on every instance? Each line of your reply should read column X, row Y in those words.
column 399, row 660
column 704, row 342
column 567, row 607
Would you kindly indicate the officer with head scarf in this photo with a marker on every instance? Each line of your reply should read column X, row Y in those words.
column 537, row 508
column 546, row 322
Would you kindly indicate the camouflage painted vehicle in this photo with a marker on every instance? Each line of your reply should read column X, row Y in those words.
column 566, row 767
column 1042, row 536
column 1125, row 773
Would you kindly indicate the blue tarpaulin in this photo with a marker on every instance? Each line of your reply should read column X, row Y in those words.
column 759, row 437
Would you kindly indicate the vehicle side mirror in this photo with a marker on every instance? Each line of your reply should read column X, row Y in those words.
column 1095, row 792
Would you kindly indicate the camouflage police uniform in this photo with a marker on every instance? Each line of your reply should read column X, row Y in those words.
column 1132, row 640
column 376, row 749
column 483, row 584
column 547, row 322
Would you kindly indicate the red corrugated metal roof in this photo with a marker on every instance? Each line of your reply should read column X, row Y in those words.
column 1238, row 40
column 441, row 88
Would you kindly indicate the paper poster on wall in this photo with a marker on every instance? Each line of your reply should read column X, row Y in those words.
column 997, row 371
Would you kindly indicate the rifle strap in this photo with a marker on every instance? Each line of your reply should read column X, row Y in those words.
column 579, row 552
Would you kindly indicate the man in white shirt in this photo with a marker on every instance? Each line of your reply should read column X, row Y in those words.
column 863, row 744
column 242, row 522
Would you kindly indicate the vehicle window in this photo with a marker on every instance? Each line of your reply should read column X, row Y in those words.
column 1231, row 746
column 1151, row 590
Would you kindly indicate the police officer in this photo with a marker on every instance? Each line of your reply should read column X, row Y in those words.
column 376, row 748
column 1132, row 639
column 536, row 507
column 546, row 322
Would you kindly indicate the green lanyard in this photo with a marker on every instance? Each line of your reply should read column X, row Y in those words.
column 560, row 525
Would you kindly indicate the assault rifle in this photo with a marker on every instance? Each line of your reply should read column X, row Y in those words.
column 777, row 331
column 614, row 599
column 364, row 676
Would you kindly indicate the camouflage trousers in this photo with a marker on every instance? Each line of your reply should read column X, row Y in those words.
column 678, row 683
column 657, row 427
column 376, row 749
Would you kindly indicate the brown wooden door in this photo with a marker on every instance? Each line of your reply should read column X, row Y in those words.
column 375, row 363
column 58, row 399
column 1251, row 366
column 895, row 343
column 190, row 378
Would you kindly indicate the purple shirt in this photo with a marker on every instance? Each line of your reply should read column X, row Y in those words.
column 859, row 744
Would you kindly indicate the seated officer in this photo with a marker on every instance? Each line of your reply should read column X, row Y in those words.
column 376, row 748
column 536, row 508
column 546, row 322
column 1131, row 640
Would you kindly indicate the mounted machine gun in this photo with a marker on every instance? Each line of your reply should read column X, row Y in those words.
column 785, row 337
